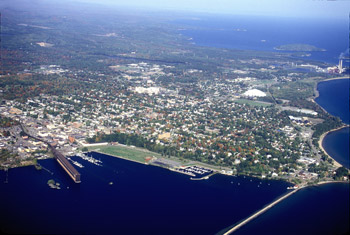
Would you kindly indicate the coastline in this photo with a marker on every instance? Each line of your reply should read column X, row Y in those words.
column 317, row 94
column 337, row 78
column 330, row 182
column 320, row 144
column 320, row 141
column 150, row 164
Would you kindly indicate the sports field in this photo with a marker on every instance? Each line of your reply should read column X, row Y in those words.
column 253, row 103
column 127, row 152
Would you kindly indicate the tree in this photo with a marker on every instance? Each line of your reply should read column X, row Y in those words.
column 341, row 172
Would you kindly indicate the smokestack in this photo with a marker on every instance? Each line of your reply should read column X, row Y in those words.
column 340, row 66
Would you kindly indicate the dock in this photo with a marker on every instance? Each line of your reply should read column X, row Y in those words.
column 62, row 160
column 72, row 172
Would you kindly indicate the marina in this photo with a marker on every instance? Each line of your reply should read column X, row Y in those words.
column 196, row 172
column 88, row 158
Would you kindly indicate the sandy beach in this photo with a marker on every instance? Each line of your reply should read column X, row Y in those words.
column 320, row 141
column 332, row 182
column 337, row 78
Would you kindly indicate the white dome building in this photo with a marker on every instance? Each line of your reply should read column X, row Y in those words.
column 254, row 93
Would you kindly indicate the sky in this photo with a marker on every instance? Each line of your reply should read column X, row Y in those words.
column 288, row 8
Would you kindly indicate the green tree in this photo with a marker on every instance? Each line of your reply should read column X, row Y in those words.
column 341, row 172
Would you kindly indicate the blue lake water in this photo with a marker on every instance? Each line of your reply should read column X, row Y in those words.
column 334, row 97
column 314, row 210
column 142, row 200
column 265, row 33
column 337, row 145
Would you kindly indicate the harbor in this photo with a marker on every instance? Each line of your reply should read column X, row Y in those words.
column 90, row 159
column 116, row 176
column 196, row 172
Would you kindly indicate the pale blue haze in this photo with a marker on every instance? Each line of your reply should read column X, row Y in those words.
column 285, row 8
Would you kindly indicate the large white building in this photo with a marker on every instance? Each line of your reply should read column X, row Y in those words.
column 148, row 90
column 254, row 93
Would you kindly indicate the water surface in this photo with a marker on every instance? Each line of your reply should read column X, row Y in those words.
column 142, row 200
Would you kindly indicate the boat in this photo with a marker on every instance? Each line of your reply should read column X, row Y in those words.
column 77, row 164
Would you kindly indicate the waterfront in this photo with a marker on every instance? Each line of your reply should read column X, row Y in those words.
column 301, row 213
column 334, row 98
column 321, row 209
column 141, row 199
column 336, row 144
column 116, row 195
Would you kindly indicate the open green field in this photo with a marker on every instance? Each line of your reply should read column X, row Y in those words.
column 127, row 152
column 290, row 90
column 252, row 102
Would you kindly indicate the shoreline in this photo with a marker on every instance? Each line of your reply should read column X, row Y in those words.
column 150, row 164
column 337, row 78
column 320, row 144
column 320, row 141
column 317, row 93
column 118, row 157
column 330, row 182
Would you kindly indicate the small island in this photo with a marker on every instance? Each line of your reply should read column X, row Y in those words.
column 298, row 47
column 52, row 184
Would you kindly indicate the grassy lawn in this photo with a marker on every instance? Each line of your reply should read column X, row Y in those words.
column 127, row 152
column 251, row 102
column 301, row 89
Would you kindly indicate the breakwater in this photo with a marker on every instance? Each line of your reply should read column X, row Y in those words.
column 256, row 214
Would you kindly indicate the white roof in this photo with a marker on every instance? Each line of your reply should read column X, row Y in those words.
column 254, row 93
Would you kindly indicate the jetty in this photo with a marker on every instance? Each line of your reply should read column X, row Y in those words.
column 260, row 212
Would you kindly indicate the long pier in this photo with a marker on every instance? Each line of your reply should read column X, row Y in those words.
column 260, row 212
column 72, row 172
column 62, row 160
